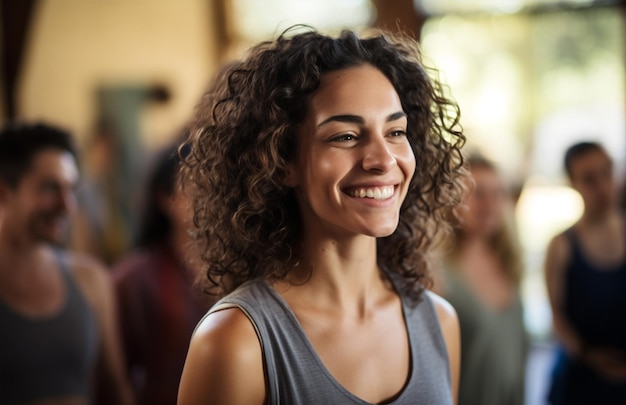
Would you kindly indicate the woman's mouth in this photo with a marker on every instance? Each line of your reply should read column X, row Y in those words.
column 376, row 193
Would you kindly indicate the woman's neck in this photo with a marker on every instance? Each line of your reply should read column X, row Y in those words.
column 341, row 274
column 599, row 219
column 473, row 243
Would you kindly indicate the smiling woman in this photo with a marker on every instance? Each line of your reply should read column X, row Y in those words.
column 346, row 163
column 322, row 170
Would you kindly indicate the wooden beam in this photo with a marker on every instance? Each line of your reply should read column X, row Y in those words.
column 398, row 15
column 15, row 19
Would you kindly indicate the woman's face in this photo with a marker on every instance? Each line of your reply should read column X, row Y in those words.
column 484, row 211
column 592, row 176
column 354, row 162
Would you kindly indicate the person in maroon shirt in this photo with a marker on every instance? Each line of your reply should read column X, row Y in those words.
column 158, row 308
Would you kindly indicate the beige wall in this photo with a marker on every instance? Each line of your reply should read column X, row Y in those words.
column 76, row 45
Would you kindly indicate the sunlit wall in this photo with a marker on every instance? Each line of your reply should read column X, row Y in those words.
column 75, row 46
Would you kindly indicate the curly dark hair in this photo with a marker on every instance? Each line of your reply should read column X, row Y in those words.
column 244, row 135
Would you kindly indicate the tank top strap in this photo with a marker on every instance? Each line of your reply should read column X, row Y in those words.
column 61, row 259
column 297, row 376
column 74, row 295
column 578, row 255
column 570, row 235
column 574, row 242
column 64, row 266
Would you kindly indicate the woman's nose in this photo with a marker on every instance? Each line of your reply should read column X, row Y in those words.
column 377, row 155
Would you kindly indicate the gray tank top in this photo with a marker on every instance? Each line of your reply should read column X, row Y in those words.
column 296, row 375
column 51, row 356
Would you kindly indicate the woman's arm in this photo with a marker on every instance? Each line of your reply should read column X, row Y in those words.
column 449, row 322
column 556, row 259
column 224, row 364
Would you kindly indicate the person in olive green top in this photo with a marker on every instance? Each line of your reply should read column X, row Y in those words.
column 480, row 278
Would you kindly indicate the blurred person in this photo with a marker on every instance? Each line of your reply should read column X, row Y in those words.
column 108, row 196
column 103, row 227
column 59, row 340
column 481, row 279
column 154, row 288
column 585, row 269
column 321, row 169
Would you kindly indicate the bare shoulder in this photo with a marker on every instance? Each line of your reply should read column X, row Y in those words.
column 557, row 253
column 224, row 364
column 448, row 321
column 228, row 329
column 92, row 277
column 451, row 331
column 558, row 244
column 445, row 311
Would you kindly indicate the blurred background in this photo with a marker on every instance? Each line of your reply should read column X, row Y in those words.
column 531, row 78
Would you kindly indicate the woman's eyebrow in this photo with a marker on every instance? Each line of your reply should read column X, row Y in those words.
column 395, row 116
column 355, row 119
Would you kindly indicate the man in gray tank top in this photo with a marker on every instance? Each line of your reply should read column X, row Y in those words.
column 57, row 326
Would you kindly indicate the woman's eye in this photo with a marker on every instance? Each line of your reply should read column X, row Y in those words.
column 398, row 133
column 343, row 138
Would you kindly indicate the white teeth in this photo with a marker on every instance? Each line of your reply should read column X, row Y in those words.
column 377, row 193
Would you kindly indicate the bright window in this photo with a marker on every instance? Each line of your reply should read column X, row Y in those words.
column 529, row 85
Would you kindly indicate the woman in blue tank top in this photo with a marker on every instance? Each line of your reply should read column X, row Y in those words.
column 322, row 170
column 586, row 280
